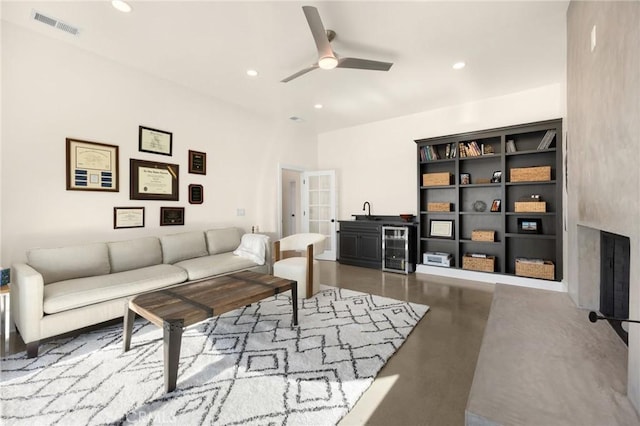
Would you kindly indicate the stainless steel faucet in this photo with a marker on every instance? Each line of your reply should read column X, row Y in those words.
column 364, row 206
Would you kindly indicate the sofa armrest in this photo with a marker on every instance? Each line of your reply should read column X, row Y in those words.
column 27, row 301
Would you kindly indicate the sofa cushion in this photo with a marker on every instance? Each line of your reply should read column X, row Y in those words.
column 70, row 294
column 223, row 240
column 134, row 254
column 186, row 245
column 217, row 264
column 65, row 263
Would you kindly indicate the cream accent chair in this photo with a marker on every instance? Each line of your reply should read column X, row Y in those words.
column 305, row 270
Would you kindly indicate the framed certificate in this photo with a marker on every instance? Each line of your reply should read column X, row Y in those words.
column 92, row 166
column 197, row 162
column 153, row 181
column 154, row 141
column 128, row 217
column 441, row 229
column 171, row 216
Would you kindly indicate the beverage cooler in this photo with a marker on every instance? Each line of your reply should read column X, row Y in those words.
column 396, row 249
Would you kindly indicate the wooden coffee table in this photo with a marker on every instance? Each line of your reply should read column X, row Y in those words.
column 181, row 306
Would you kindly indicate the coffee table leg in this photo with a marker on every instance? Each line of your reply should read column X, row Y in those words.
column 294, row 302
column 129, row 318
column 172, row 341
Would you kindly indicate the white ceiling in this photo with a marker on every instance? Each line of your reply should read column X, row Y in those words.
column 208, row 46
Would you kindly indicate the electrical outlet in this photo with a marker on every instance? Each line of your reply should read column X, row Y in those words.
column 240, row 212
column 593, row 38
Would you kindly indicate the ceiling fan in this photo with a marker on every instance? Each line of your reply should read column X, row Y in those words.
column 327, row 58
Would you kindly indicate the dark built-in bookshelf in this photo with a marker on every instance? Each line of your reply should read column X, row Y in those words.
column 536, row 145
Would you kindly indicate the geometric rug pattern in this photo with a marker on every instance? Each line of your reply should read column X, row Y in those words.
column 248, row 367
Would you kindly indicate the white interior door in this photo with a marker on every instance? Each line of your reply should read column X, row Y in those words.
column 319, row 208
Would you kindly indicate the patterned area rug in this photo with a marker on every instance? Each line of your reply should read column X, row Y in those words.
column 245, row 367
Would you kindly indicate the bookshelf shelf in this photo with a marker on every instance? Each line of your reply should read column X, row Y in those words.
column 478, row 169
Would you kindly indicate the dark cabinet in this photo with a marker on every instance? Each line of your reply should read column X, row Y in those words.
column 360, row 244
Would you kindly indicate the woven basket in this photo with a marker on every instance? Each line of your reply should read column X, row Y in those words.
column 530, row 174
column 438, row 207
column 530, row 206
column 479, row 263
column 544, row 270
column 436, row 179
column 483, row 235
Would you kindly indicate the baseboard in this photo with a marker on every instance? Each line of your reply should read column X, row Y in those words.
column 492, row 278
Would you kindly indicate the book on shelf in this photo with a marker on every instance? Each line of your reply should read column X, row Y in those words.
column 511, row 146
column 547, row 139
column 447, row 151
column 527, row 260
column 479, row 255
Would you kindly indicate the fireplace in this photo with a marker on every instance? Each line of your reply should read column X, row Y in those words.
column 614, row 280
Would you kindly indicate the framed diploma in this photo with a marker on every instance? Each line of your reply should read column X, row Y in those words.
column 154, row 141
column 171, row 216
column 153, row 181
column 92, row 166
column 196, row 194
column 197, row 162
column 128, row 217
column 441, row 229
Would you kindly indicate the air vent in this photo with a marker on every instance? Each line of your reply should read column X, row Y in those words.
column 55, row 23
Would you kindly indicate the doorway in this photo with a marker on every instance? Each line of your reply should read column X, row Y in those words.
column 291, row 205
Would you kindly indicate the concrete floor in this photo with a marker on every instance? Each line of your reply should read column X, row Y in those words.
column 428, row 380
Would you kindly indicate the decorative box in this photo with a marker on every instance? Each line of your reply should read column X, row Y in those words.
column 438, row 207
column 530, row 174
column 436, row 179
column 482, row 264
column 545, row 270
column 530, row 206
column 483, row 235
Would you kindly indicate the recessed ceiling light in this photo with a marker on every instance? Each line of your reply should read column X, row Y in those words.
column 121, row 5
column 252, row 73
column 318, row 106
column 459, row 65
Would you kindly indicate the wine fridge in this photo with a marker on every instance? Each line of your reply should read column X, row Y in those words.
column 396, row 249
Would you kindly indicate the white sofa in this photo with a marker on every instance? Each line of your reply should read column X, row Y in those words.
column 63, row 289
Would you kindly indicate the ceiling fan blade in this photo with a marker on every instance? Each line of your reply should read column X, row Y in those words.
column 299, row 73
column 364, row 64
column 318, row 31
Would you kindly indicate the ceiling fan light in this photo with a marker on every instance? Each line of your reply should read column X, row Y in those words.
column 328, row 62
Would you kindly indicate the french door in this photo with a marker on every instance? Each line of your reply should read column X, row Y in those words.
column 319, row 208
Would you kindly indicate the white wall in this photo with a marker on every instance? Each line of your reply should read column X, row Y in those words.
column 53, row 90
column 377, row 161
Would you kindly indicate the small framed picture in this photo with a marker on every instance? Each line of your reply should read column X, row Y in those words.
column 128, row 217
column 196, row 194
column 465, row 178
column 441, row 229
column 171, row 216
column 197, row 162
column 529, row 226
column 495, row 205
column 154, row 141
column 497, row 177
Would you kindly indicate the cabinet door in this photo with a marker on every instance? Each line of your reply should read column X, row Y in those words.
column 370, row 247
column 348, row 244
